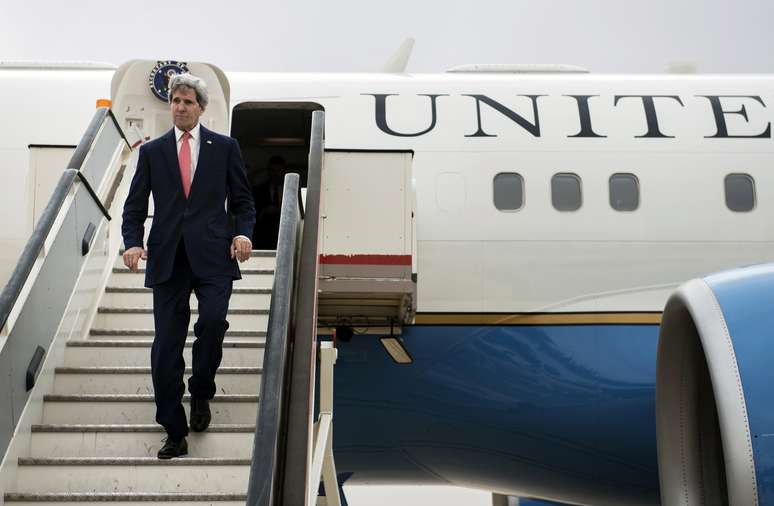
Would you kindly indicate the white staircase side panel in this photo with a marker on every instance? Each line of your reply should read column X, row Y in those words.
column 75, row 325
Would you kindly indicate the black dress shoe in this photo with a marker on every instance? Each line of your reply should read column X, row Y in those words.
column 173, row 448
column 200, row 414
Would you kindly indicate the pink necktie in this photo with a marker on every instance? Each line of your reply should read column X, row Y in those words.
column 184, row 158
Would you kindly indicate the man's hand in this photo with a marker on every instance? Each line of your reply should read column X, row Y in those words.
column 240, row 248
column 132, row 257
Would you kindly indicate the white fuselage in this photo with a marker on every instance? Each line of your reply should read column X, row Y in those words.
column 473, row 257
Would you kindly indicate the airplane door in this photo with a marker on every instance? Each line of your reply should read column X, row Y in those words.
column 368, row 239
column 139, row 97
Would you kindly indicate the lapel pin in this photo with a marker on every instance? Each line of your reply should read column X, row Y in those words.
column 209, row 142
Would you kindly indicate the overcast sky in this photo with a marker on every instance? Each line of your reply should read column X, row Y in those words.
column 360, row 35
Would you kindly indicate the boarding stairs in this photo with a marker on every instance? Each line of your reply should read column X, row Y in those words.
column 97, row 439
column 76, row 327
column 76, row 399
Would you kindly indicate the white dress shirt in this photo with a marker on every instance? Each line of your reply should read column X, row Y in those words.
column 194, row 141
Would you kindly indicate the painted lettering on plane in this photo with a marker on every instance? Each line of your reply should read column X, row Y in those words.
column 532, row 125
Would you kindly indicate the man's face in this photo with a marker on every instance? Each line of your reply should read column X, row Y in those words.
column 185, row 108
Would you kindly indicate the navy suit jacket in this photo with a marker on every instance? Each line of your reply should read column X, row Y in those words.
column 201, row 219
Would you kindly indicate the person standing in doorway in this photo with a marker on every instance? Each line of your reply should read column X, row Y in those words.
column 269, row 194
column 192, row 173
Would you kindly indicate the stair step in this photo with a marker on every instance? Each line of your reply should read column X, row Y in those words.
column 149, row 291
column 142, row 317
column 97, row 440
column 264, row 260
column 253, row 254
column 241, row 298
column 147, row 310
column 132, row 474
column 136, row 428
column 132, row 461
column 251, row 278
column 126, row 499
column 140, row 440
column 137, row 380
column 125, row 270
column 132, row 333
column 138, row 409
column 135, row 352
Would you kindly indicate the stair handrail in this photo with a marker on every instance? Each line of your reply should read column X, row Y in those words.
column 268, row 443
column 281, row 453
column 300, row 409
column 12, row 291
column 35, row 300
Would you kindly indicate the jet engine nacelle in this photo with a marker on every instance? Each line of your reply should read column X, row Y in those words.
column 715, row 391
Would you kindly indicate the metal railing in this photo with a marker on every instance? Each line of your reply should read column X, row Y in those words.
column 279, row 473
column 301, row 404
column 270, row 432
column 33, row 302
column 13, row 289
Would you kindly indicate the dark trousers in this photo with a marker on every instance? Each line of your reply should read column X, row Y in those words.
column 172, row 314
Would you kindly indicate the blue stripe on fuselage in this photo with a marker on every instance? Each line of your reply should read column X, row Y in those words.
column 525, row 408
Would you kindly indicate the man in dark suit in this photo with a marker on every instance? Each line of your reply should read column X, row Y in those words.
column 192, row 246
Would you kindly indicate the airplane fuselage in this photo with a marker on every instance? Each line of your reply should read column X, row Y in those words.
column 540, row 279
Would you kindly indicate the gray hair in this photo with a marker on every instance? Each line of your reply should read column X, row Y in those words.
column 190, row 81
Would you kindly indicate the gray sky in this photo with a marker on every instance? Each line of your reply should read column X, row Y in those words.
column 360, row 35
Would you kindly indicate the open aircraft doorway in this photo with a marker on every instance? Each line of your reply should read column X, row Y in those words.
column 274, row 137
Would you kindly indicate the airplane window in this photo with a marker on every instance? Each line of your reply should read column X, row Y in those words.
column 740, row 192
column 624, row 192
column 508, row 191
column 566, row 192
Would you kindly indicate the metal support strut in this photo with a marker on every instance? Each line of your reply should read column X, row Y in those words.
column 323, row 466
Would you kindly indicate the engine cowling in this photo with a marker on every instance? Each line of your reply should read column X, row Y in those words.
column 715, row 391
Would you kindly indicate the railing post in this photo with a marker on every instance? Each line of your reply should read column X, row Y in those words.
column 323, row 464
